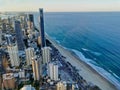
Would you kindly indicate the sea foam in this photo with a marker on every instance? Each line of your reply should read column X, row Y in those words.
column 100, row 70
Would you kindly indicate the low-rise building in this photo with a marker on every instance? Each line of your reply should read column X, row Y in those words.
column 27, row 87
column 9, row 81
column 21, row 74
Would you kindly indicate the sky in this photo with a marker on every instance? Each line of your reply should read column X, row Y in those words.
column 60, row 5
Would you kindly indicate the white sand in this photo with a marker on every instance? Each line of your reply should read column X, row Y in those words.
column 88, row 73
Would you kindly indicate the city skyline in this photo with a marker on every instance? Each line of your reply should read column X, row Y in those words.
column 69, row 62
column 60, row 5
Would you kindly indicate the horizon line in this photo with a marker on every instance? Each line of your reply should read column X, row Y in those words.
column 64, row 11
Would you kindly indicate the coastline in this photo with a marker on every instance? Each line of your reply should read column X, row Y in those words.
column 85, row 70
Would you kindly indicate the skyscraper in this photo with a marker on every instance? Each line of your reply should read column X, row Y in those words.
column 43, row 41
column 25, row 22
column 9, row 39
column 29, row 55
column 37, row 68
column 4, row 26
column 0, row 36
column 19, row 36
column 14, row 58
column 39, row 40
column 9, row 21
column 31, row 21
column 31, row 18
column 46, row 55
column 53, row 71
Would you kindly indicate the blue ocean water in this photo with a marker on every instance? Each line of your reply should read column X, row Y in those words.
column 93, row 36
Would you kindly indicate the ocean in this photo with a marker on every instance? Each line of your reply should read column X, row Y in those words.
column 93, row 36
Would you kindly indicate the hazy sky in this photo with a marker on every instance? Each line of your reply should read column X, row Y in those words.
column 60, row 5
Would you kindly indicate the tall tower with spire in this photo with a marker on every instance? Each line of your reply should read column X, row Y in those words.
column 42, row 33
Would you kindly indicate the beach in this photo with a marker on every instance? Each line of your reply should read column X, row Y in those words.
column 85, row 70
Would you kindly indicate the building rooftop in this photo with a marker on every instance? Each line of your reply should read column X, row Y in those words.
column 8, row 76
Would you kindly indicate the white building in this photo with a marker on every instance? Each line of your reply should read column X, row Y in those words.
column 21, row 74
column 9, row 39
column 46, row 55
column 27, row 87
column 53, row 71
column 37, row 68
column 39, row 40
column 29, row 55
column 61, row 86
column 14, row 58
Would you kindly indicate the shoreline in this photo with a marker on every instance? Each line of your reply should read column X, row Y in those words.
column 85, row 70
column 97, row 71
column 94, row 70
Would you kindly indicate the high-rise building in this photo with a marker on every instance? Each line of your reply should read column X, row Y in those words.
column 31, row 18
column 53, row 71
column 0, row 36
column 30, row 22
column 14, row 58
column 9, row 21
column 4, row 26
column 9, row 39
column 19, row 36
column 37, row 68
column 46, row 54
column 24, row 21
column 3, row 58
column 42, row 33
column 39, row 40
column 29, row 55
